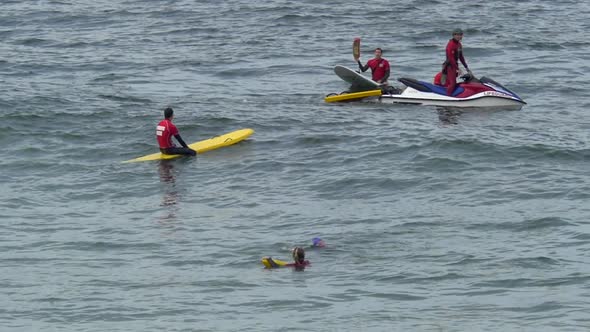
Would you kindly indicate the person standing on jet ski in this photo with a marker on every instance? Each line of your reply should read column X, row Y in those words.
column 454, row 53
column 379, row 67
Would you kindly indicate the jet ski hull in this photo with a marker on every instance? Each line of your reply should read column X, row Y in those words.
column 482, row 93
column 487, row 99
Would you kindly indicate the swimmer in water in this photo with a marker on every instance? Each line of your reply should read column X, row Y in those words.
column 318, row 242
column 298, row 258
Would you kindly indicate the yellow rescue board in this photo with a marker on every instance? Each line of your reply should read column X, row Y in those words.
column 270, row 263
column 203, row 146
column 352, row 96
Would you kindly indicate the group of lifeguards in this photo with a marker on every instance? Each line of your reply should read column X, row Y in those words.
column 447, row 77
column 380, row 70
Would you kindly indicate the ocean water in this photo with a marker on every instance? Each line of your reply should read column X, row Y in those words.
column 434, row 220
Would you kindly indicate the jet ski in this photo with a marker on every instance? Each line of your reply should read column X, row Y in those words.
column 472, row 93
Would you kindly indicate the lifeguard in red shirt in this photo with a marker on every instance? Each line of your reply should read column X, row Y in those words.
column 454, row 54
column 164, row 132
column 379, row 67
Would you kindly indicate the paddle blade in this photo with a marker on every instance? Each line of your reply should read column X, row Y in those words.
column 356, row 48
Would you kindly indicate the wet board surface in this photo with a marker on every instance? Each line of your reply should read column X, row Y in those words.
column 357, row 81
column 270, row 262
column 352, row 96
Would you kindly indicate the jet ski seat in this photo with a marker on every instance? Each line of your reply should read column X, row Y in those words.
column 428, row 87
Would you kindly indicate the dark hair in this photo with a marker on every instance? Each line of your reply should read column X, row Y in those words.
column 298, row 255
column 379, row 48
column 168, row 112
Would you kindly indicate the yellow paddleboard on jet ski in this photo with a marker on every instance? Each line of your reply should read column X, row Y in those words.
column 202, row 146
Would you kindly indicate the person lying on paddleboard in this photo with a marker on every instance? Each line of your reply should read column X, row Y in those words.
column 379, row 67
column 164, row 132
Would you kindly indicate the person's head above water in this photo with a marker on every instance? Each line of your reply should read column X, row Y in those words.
column 318, row 242
column 298, row 255
column 168, row 113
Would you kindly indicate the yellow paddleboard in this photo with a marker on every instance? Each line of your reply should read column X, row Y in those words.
column 270, row 263
column 352, row 96
column 203, row 146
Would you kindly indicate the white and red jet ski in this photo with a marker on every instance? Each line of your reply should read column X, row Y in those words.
column 472, row 93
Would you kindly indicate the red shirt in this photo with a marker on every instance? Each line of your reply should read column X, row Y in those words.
column 454, row 53
column 379, row 68
column 164, row 132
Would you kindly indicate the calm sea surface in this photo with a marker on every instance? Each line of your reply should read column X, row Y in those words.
column 434, row 221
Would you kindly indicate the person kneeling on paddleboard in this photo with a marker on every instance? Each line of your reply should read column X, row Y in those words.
column 379, row 67
column 164, row 132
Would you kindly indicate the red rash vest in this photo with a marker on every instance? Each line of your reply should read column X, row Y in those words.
column 378, row 68
column 164, row 132
column 455, row 52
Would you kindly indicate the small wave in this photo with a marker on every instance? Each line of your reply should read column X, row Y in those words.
column 397, row 296
column 435, row 278
column 190, row 262
column 526, row 225
column 126, row 98
column 242, row 72
column 506, row 283
column 533, row 262
column 549, row 306
column 292, row 18
column 360, row 187
column 111, row 77
column 320, row 140
column 544, row 46
column 33, row 42
column 106, row 246
column 470, row 259
column 548, row 152
column 192, row 31
column 439, row 163
column 541, row 223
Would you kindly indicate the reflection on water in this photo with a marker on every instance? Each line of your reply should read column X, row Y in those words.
column 171, row 196
column 448, row 115
column 451, row 115
column 165, row 169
